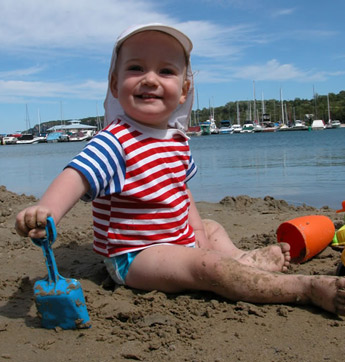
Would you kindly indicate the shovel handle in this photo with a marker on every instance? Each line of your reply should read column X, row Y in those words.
column 50, row 233
column 45, row 244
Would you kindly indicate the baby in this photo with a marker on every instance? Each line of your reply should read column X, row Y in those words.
column 135, row 172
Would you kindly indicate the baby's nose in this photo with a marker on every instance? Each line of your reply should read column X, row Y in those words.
column 150, row 79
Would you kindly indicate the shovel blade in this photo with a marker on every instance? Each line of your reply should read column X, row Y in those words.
column 61, row 304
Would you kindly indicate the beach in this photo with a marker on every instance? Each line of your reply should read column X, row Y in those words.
column 130, row 325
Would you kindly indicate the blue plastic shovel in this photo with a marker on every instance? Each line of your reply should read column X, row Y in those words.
column 60, row 302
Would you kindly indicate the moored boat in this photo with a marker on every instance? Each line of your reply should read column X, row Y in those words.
column 258, row 127
column 299, row 126
column 318, row 125
column 247, row 128
column 205, row 128
column 213, row 127
column 27, row 139
column 335, row 124
column 9, row 140
column 193, row 131
column 269, row 127
column 225, row 127
column 57, row 137
column 81, row 136
column 237, row 128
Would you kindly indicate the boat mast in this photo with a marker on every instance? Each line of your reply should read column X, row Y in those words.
column 329, row 111
column 286, row 115
column 27, row 118
column 238, row 113
column 255, row 120
column 263, row 106
column 315, row 108
column 282, row 105
column 250, row 111
column 197, row 102
column 39, row 120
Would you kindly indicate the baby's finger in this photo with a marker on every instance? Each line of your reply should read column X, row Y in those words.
column 37, row 233
column 30, row 220
column 41, row 217
column 21, row 227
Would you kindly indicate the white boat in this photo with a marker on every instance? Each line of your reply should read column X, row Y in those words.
column 27, row 139
column 318, row 125
column 9, row 140
column 283, row 127
column 237, row 128
column 258, row 128
column 335, row 124
column 248, row 128
column 299, row 126
column 331, row 123
column 269, row 127
column 80, row 136
column 213, row 127
column 225, row 127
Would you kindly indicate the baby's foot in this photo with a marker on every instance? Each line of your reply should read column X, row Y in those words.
column 328, row 293
column 271, row 258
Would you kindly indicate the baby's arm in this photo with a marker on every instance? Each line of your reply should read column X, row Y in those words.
column 60, row 197
column 196, row 223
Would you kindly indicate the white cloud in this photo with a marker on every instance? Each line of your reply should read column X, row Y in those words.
column 88, row 25
column 65, row 23
column 272, row 70
column 21, row 72
column 283, row 12
column 12, row 89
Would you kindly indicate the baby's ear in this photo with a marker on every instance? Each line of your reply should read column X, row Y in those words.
column 113, row 86
column 185, row 89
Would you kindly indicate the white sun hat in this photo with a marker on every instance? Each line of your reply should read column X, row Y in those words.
column 180, row 117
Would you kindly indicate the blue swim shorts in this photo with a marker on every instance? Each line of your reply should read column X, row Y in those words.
column 118, row 266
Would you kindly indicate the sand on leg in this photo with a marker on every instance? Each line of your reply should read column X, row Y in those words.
column 270, row 258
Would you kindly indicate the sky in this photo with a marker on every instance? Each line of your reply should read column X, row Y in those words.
column 54, row 55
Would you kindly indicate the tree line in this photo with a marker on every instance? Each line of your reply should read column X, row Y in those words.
column 275, row 110
column 302, row 109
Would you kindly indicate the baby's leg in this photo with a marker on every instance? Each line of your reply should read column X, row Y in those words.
column 270, row 258
column 258, row 286
column 175, row 268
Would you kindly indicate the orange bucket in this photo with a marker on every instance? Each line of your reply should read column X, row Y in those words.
column 307, row 236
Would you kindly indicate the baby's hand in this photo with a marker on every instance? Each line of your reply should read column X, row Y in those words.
column 32, row 221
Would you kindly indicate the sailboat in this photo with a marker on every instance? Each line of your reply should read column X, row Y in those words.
column 27, row 138
column 209, row 127
column 237, row 128
column 331, row 123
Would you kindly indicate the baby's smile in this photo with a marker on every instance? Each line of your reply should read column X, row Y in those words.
column 148, row 96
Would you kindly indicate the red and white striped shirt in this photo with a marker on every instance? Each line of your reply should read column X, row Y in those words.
column 137, row 179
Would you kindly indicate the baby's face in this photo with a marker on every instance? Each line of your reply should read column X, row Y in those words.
column 150, row 77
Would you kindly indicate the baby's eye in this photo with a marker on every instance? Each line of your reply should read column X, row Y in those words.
column 167, row 71
column 135, row 68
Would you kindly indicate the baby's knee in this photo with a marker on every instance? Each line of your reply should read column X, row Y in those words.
column 211, row 226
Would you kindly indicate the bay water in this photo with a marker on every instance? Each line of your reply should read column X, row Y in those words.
column 299, row 167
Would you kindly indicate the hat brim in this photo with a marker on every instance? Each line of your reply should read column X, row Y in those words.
column 179, row 36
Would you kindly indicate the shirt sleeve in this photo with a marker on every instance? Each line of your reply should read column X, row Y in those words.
column 192, row 169
column 102, row 163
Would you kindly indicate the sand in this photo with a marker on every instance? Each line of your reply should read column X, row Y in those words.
column 130, row 325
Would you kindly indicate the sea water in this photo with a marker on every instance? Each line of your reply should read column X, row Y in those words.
column 299, row 167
